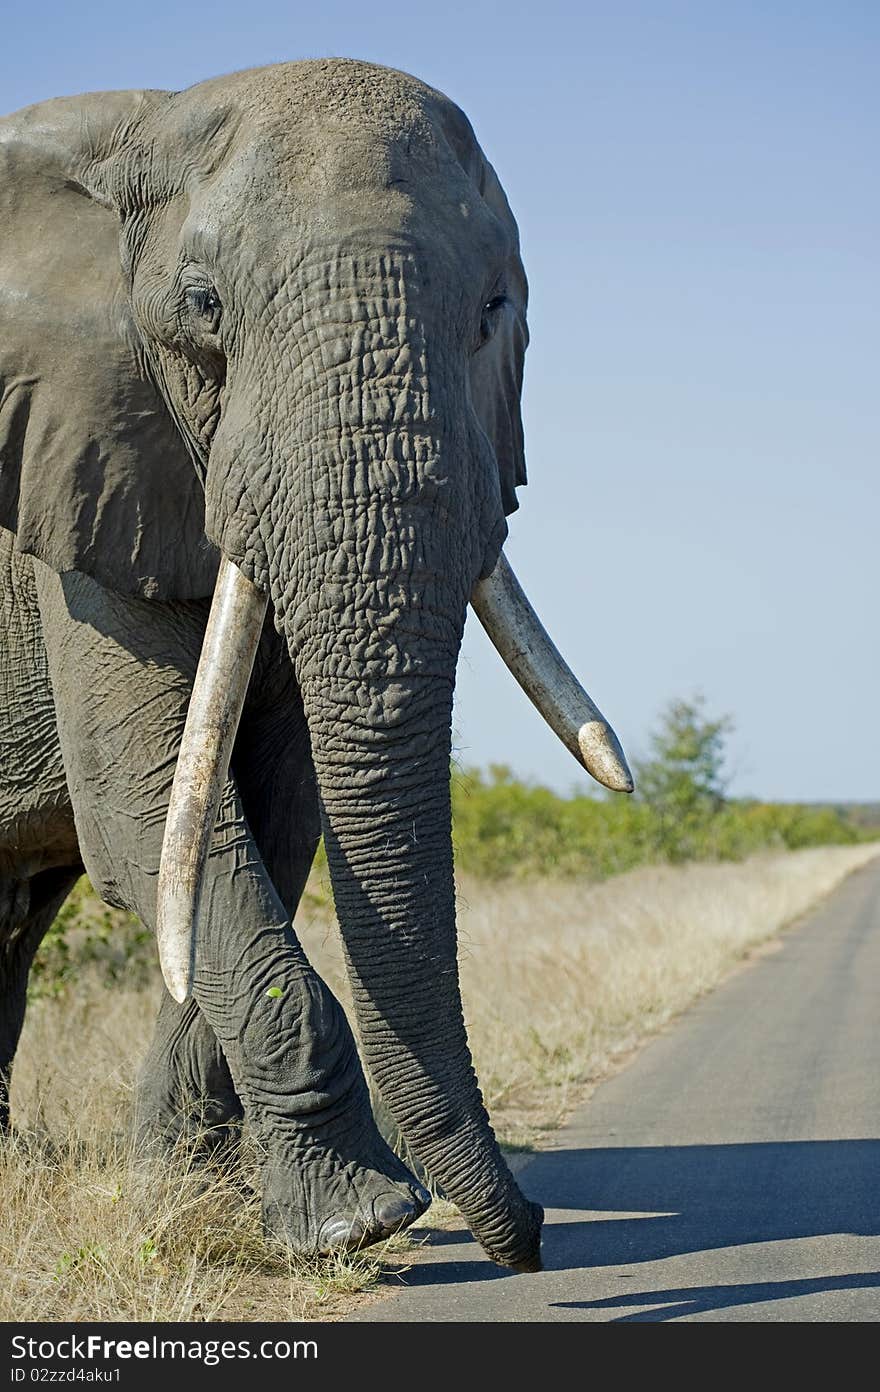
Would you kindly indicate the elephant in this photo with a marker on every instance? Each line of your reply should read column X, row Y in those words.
column 260, row 373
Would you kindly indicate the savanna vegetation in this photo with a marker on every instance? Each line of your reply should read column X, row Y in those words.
column 586, row 924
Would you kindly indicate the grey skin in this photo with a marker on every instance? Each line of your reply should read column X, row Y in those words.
column 279, row 316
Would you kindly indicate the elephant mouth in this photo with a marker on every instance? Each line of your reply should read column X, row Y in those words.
column 234, row 626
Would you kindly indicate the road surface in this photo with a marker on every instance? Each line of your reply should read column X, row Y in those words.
column 731, row 1172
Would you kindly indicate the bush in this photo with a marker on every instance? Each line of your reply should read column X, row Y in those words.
column 504, row 828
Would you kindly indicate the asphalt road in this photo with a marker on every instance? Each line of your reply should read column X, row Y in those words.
column 731, row 1172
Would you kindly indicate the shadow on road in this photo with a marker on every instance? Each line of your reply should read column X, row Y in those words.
column 706, row 1197
column 715, row 1196
column 694, row 1300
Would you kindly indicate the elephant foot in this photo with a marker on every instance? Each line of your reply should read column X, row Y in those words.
column 330, row 1202
column 391, row 1212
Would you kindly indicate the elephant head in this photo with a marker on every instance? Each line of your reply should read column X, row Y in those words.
column 277, row 322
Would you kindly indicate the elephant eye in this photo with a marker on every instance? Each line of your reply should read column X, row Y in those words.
column 204, row 301
column 489, row 317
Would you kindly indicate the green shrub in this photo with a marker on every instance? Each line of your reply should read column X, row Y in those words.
column 88, row 934
column 504, row 828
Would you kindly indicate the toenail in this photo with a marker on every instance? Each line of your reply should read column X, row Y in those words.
column 392, row 1211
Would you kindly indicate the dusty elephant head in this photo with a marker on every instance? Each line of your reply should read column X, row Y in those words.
column 285, row 311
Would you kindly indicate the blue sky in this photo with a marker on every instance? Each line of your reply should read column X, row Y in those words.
column 696, row 188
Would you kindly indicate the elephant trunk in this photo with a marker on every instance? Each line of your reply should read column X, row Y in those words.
column 386, row 813
column 370, row 582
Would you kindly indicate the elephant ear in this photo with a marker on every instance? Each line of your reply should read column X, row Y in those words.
column 93, row 475
column 497, row 369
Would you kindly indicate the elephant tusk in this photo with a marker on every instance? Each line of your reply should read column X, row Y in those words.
column 510, row 621
column 221, row 682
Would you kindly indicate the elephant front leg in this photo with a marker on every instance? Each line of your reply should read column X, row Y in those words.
column 122, row 672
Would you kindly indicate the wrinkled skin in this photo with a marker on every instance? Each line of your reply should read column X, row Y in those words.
column 283, row 311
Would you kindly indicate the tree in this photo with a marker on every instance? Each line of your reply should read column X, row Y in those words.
column 684, row 781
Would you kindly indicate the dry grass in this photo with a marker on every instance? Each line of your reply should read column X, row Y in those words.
column 560, row 979
column 564, row 981
column 89, row 1232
